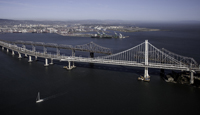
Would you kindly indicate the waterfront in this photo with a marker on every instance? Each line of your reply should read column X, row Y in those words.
column 94, row 88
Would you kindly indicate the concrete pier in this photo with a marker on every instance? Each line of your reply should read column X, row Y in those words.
column 73, row 66
column 69, row 66
column 192, row 77
column 30, row 60
column 13, row 53
column 20, row 56
column 51, row 62
column 35, row 58
column 146, row 73
column 46, row 62
column 7, row 50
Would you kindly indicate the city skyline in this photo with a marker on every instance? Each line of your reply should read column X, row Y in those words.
column 134, row 10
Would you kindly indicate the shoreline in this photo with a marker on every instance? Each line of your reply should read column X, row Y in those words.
column 89, row 35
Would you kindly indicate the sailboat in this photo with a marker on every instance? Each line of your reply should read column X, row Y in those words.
column 38, row 100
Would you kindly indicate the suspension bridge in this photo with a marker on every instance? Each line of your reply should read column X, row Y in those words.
column 143, row 55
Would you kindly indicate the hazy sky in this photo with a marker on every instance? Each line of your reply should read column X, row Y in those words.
column 144, row 10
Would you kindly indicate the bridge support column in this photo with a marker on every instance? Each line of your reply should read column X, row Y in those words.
column 7, row 50
column 192, row 77
column 51, row 62
column 91, row 54
column 146, row 74
column 2, row 48
column 29, row 60
column 69, row 66
column 20, row 56
column 13, row 53
column 46, row 62
column 35, row 58
column 26, row 55
column 73, row 66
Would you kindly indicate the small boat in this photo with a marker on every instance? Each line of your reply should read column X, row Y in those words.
column 141, row 78
column 38, row 100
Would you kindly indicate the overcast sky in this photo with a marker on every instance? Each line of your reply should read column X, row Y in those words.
column 143, row 10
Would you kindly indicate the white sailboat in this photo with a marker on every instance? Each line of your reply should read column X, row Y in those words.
column 38, row 100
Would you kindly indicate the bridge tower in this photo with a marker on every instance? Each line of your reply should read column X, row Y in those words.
column 146, row 74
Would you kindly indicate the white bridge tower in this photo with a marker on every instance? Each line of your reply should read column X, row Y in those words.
column 146, row 74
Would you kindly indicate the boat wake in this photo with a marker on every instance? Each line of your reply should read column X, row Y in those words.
column 54, row 96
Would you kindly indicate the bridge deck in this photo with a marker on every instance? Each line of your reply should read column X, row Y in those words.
column 98, row 60
column 90, row 47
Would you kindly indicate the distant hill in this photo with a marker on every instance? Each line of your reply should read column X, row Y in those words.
column 189, row 21
column 107, row 22
column 16, row 22
column 9, row 22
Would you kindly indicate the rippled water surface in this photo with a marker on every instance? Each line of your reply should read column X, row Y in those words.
column 95, row 88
